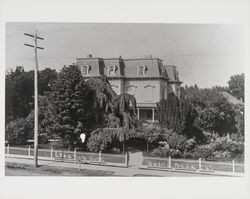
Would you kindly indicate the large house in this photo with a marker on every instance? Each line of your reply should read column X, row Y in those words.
column 145, row 78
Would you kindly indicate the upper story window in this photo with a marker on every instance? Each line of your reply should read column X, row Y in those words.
column 141, row 70
column 149, row 93
column 112, row 70
column 85, row 70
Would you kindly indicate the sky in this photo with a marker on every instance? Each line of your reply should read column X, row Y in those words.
column 205, row 54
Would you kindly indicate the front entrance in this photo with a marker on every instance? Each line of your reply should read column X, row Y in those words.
column 146, row 114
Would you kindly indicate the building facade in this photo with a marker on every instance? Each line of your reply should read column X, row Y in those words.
column 147, row 79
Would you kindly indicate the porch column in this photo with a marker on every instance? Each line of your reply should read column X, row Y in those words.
column 153, row 114
column 138, row 113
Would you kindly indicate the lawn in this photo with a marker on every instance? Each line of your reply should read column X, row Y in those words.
column 17, row 169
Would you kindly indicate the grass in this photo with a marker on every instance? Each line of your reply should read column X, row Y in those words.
column 18, row 169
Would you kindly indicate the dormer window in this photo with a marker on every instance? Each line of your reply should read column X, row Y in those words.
column 112, row 70
column 141, row 70
column 85, row 70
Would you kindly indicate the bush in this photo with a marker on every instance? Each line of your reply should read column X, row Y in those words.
column 220, row 148
column 99, row 141
column 175, row 141
column 201, row 151
column 165, row 151
column 115, row 150
column 17, row 132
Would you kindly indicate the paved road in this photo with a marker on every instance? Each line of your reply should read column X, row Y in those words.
column 117, row 171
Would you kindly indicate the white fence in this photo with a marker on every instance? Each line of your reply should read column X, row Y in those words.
column 192, row 165
column 122, row 160
column 69, row 156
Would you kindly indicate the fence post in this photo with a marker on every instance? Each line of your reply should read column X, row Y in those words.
column 199, row 164
column 75, row 154
column 126, row 159
column 29, row 151
column 233, row 164
column 51, row 152
column 8, row 149
column 169, row 161
column 79, row 165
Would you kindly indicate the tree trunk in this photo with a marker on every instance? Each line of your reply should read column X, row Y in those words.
column 147, row 145
column 123, row 146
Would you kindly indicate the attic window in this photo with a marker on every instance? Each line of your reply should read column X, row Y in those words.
column 85, row 70
column 111, row 70
column 141, row 70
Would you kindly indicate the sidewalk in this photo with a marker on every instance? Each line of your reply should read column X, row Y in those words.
column 118, row 171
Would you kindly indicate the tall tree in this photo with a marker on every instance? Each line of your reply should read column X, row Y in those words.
column 19, row 94
column 103, row 97
column 71, row 95
column 236, row 86
column 20, row 91
column 178, row 115
column 45, row 78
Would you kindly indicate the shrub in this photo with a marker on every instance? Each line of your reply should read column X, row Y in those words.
column 175, row 141
column 17, row 132
column 166, row 152
column 98, row 141
column 201, row 151
column 161, row 152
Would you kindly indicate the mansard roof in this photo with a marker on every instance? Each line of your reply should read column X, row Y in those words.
column 128, row 68
column 173, row 74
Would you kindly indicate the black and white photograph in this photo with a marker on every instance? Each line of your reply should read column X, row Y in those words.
column 102, row 99
column 114, row 99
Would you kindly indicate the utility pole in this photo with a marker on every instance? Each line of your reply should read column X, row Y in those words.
column 35, row 94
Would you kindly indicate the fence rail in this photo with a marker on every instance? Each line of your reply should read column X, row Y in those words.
column 70, row 156
column 192, row 165
column 122, row 160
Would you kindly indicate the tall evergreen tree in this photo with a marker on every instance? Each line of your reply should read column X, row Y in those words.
column 70, row 95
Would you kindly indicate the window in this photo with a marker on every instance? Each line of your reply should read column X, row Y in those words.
column 111, row 70
column 149, row 93
column 141, row 70
column 85, row 70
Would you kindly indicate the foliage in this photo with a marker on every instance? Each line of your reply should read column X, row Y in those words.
column 236, row 86
column 219, row 147
column 45, row 78
column 175, row 140
column 99, row 140
column 219, row 117
column 215, row 112
column 48, row 122
column 201, row 151
column 239, row 118
column 70, row 97
column 103, row 98
column 20, row 91
column 17, row 132
column 166, row 152
column 20, row 130
column 19, row 94
column 150, row 133
column 175, row 114
column 112, row 109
